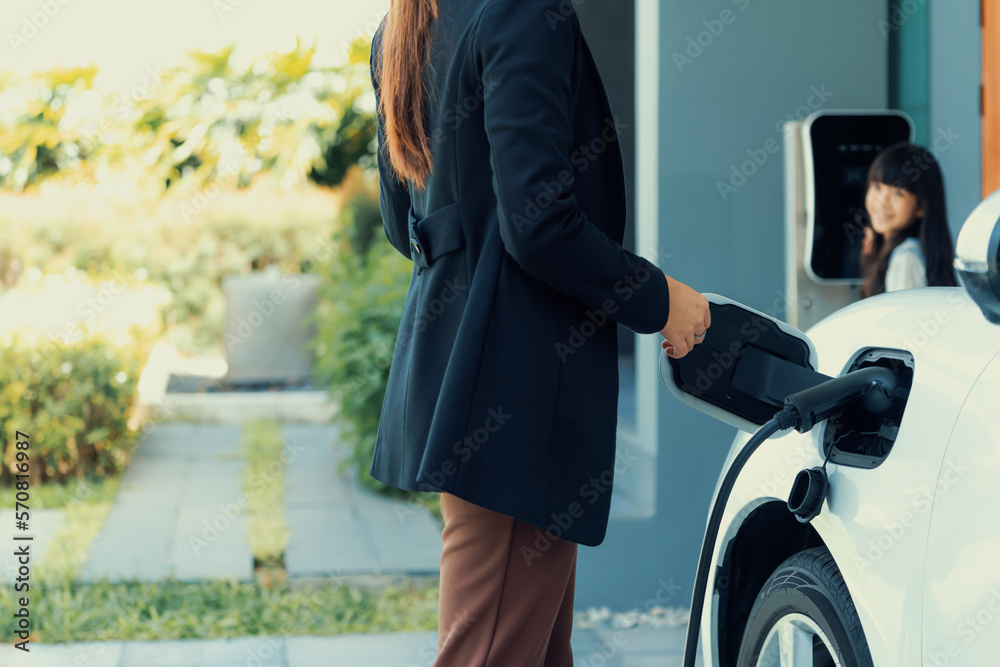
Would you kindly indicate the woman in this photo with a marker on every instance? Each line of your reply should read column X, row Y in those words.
column 502, row 180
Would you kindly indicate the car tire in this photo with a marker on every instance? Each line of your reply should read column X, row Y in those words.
column 805, row 609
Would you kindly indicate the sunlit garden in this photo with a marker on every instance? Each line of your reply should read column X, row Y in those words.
column 121, row 215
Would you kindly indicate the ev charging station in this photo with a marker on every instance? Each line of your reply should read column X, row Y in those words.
column 826, row 158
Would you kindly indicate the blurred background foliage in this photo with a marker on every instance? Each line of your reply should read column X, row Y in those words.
column 199, row 124
column 201, row 171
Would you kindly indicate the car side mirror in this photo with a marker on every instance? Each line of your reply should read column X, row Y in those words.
column 977, row 255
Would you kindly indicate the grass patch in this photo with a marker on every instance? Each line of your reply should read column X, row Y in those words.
column 70, row 545
column 53, row 495
column 65, row 610
column 264, row 487
column 68, row 611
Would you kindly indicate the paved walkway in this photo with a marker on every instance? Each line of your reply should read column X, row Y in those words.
column 178, row 513
column 602, row 647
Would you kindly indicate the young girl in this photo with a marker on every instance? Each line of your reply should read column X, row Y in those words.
column 908, row 243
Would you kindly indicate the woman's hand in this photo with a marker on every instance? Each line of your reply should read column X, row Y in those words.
column 688, row 321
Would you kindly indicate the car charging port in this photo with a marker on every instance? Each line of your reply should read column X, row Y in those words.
column 872, row 388
column 859, row 438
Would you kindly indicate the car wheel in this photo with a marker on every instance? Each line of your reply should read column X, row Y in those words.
column 804, row 617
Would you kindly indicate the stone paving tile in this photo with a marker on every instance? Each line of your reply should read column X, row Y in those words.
column 383, row 650
column 311, row 476
column 406, row 538
column 401, row 649
column 653, row 661
column 208, row 544
column 261, row 651
column 339, row 528
column 92, row 654
column 644, row 639
column 587, row 650
column 184, row 486
column 188, row 439
column 411, row 546
column 181, row 476
column 130, row 545
column 326, row 541
column 210, row 484
column 315, row 484
column 42, row 526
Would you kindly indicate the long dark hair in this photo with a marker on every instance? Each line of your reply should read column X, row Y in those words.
column 406, row 36
column 914, row 169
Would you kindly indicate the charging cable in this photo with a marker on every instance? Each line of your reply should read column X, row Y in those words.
column 872, row 386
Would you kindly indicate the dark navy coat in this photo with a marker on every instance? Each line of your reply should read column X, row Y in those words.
column 503, row 388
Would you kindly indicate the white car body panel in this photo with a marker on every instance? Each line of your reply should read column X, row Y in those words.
column 876, row 522
column 962, row 576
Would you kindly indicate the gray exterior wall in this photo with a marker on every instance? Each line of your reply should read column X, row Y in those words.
column 767, row 62
column 954, row 119
column 609, row 27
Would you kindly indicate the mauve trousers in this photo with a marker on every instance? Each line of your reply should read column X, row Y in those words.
column 501, row 605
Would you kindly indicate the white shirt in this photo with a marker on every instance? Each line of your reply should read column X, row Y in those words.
column 907, row 269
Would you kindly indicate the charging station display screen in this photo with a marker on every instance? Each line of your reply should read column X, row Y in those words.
column 842, row 149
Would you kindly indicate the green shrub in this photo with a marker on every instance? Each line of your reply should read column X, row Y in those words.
column 187, row 253
column 360, row 304
column 73, row 400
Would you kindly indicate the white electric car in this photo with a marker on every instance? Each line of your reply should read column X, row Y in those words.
column 892, row 556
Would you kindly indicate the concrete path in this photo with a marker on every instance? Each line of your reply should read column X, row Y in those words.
column 339, row 528
column 178, row 513
column 602, row 647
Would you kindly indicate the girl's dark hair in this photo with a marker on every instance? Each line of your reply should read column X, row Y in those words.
column 405, row 41
column 914, row 169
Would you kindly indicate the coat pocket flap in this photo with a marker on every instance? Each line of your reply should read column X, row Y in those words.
column 435, row 234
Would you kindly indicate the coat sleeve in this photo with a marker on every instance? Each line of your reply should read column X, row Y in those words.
column 526, row 53
column 394, row 196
